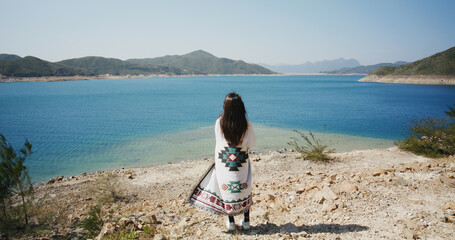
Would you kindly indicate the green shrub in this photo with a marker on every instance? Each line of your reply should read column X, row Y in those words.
column 94, row 221
column 149, row 231
column 431, row 137
column 107, row 189
column 451, row 112
column 124, row 234
column 310, row 148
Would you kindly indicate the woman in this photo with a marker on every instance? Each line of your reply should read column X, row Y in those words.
column 226, row 187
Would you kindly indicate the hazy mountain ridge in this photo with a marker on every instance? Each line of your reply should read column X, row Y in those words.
column 314, row 67
column 364, row 69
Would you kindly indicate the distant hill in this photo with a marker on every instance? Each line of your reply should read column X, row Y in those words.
column 442, row 63
column 364, row 69
column 201, row 62
column 436, row 69
column 9, row 57
column 198, row 62
column 316, row 67
column 35, row 67
column 112, row 66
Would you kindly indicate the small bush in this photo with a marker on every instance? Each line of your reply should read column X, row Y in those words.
column 310, row 148
column 94, row 222
column 123, row 234
column 431, row 137
column 147, row 233
column 107, row 189
column 451, row 112
column 48, row 212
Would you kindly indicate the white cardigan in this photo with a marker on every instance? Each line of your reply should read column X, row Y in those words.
column 227, row 186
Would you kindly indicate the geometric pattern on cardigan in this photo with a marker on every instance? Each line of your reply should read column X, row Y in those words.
column 233, row 157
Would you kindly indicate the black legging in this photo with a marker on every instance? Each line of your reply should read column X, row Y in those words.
column 246, row 216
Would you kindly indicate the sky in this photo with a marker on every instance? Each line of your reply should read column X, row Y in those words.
column 270, row 32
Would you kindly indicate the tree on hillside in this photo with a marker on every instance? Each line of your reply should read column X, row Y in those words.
column 14, row 178
column 451, row 112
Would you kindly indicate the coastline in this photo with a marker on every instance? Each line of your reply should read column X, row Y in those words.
column 180, row 146
column 411, row 79
column 321, row 74
column 361, row 194
column 101, row 77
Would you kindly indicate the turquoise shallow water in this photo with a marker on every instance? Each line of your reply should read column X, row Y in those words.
column 93, row 125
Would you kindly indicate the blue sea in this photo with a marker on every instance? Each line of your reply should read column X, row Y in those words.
column 86, row 126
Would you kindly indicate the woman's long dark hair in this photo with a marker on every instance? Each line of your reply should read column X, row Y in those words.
column 233, row 119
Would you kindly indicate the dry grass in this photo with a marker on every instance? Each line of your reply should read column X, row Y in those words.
column 107, row 188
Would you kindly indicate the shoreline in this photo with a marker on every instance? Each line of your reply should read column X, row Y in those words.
column 189, row 140
column 327, row 138
column 361, row 194
column 411, row 79
column 253, row 155
column 322, row 74
column 398, row 79
column 107, row 76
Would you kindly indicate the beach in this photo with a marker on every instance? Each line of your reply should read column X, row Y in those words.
column 362, row 194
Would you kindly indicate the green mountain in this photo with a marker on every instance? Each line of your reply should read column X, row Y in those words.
column 198, row 62
column 9, row 57
column 364, row 69
column 112, row 66
column 35, row 67
column 442, row 64
column 201, row 62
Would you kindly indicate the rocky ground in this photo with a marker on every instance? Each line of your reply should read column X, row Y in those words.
column 369, row 194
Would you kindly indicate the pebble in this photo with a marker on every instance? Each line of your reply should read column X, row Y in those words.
column 347, row 187
column 447, row 181
column 159, row 237
column 328, row 207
